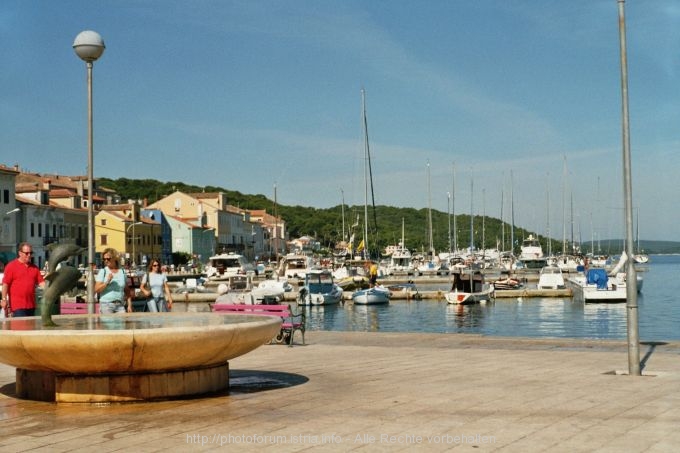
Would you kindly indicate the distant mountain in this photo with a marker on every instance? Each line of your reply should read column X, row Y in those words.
column 614, row 246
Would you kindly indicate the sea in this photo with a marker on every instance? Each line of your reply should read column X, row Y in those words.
column 658, row 313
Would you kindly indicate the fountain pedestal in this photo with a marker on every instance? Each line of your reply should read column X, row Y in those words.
column 128, row 357
column 120, row 387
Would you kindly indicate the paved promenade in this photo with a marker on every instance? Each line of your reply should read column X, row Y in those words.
column 388, row 392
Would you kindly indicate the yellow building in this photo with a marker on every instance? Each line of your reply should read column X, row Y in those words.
column 116, row 229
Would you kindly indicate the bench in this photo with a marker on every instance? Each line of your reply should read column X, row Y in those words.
column 75, row 308
column 290, row 320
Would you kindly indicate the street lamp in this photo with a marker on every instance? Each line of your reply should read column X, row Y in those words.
column 89, row 46
column 13, row 211
column 134, row 239
column 631, row 277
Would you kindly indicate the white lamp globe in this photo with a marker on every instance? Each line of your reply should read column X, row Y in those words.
column 89, row 45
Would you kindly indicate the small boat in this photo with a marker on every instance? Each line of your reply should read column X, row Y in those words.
column 372, row 296
column 508, row 283
column 551, row 278
column 469, row 287
column 236, row 290
column 378, row 294
column 595, row 286
column 409, row 290
column 271, row 290
column 319, row 289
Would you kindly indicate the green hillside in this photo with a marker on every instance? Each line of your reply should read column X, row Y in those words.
column 327, row 225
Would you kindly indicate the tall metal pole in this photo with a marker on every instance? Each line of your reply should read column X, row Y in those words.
column 90, row 194
column 134, row 252
column 89, row 46
column 631, row 278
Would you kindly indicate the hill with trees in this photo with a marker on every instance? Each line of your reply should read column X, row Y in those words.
column 326, row 225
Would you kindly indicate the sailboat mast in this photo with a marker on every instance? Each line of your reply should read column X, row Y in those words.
column 448, row 208
column 276, row 228
column 453, row 207
column 512, row 214
column 564, row 207
column 472, row 221
column 429, row 212
column 366, row 169
column 547, row 210
column 502, row 220
column 342, row 210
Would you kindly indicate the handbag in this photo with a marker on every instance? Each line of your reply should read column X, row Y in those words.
column 151, row 304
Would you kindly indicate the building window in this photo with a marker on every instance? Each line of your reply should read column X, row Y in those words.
column 5, row 196
column 104, row 239
column 39, row 230
column 103, row 222
column 32, row 229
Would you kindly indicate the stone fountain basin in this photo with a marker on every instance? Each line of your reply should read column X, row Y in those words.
column 131, row 342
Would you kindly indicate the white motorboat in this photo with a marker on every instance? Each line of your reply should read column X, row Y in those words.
column 296, row 265
column 372, row 296
column 237, row 289
column 551, row 278
column 319, row 289
column 226, row 265
column 271, row 290
column 469, row 287
column 531, row 254
column 595, row 286
column 567, row 263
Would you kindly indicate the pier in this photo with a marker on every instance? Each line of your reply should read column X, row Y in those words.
column 359, row 390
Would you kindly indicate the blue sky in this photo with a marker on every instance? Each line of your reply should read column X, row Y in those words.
column 251, row 94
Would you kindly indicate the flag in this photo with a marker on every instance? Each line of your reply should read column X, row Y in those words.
column 360, row 247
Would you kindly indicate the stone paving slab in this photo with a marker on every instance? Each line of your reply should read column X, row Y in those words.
column 356, row 391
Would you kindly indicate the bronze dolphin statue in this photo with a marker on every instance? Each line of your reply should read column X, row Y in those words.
column 59, row 281
column 62, row 252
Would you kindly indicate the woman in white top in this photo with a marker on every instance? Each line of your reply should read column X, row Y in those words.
column 158, row 290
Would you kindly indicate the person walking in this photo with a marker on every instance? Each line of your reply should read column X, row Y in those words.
column 18, row 284
column 112, row 286
column 158, row 290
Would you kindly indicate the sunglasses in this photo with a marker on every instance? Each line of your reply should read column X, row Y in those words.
column 26, row 253
column 154, row 265
column 107, row 258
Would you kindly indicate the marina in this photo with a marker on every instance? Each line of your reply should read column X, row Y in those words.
column 520, row 315
column 421, row 306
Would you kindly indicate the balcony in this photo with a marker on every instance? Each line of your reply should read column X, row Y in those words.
column 50, row 239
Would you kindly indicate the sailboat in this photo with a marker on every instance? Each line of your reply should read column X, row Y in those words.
column 639, row 257
column 377, row 294
column 400, row 259
column 430, row 265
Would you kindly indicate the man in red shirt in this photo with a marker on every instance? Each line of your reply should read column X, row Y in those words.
column 19, row 282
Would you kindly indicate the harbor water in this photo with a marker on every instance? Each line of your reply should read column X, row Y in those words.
column 659, row 313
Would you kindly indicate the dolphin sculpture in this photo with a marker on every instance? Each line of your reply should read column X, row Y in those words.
column 59, row 281
column 62, row 252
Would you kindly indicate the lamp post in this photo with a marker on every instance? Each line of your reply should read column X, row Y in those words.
column 631, row 277
column 134, row 238
column 13, row 211
column 89, row 46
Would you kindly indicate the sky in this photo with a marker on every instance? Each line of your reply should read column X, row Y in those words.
column 516, row 106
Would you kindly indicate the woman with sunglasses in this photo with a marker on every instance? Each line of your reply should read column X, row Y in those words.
column 112, row 285
column 158, row 289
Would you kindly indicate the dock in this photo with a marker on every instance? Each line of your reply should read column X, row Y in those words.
column 361, row 391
